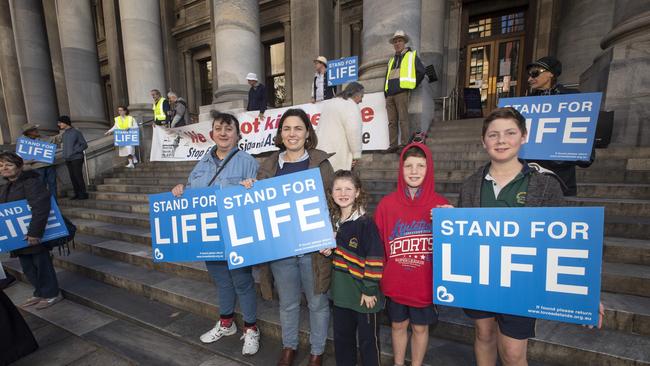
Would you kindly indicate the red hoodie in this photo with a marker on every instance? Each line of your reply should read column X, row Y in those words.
column 404, row 225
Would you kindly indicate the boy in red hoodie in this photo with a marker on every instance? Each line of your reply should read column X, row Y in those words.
column 404, row 221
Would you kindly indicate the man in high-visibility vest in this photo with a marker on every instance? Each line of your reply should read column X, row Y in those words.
column 405, row 72
column 160, row 108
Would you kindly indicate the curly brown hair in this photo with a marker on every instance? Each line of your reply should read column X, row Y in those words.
column 359, row 202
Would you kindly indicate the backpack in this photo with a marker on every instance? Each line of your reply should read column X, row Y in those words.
column 63, row 242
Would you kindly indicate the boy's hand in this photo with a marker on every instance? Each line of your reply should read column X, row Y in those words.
column 178, row 190
column 248, row 183
column 326, row 252
column 369, row 301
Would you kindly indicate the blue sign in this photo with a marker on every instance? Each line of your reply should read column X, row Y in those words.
column 278, row 218
column 185, row 229
column 31, row 149
column 343, row 70
column 15, row 218
column 560, row 127
column 535, row 262
column 127, row 137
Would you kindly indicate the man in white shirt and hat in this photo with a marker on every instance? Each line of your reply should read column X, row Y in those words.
column 319, row 89
column 256, row 95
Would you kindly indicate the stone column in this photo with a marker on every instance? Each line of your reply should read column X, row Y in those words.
column 34, row 63
column 431, row 53
column 355, row 30
column 379, row 24
column 620, row 71
column 115, row 55
column 287, row 62
column 312, row 22
column 81, row 66
column 10, row 76
column 189, row 82
column 236, row 23
column 143, row 56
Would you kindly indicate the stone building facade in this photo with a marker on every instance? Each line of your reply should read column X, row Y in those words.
column 85, row 57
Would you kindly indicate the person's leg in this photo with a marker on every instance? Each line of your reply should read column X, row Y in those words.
column 368, row 330
column 512, row 351
column 391, row 111
column 319, row 310
column 402, row 105
column 244, row 283
column 286, row 274
column 50, row 177
column 399, row 335
column 29, row 269
column 345, row 336
column 419, row 342
column 485, row 341
column 46, row 276
column 79, row 176
column 226, row 290
column 73, row 180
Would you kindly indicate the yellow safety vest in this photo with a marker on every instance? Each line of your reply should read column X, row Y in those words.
column 123, row 123
column 158, row 112
column 407, row 77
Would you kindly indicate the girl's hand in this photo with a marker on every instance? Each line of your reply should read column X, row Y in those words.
column 107, row 133
column 601, row 316
column 178, row 190
column 369, row 301
column 326, row 252
column 248, row 183
column 31, row 240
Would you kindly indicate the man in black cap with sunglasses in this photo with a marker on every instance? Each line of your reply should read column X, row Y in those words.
column 542, row 79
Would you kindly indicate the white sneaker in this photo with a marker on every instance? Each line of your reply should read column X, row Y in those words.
column 251, row 342
column 130, row 165
column 217, row 332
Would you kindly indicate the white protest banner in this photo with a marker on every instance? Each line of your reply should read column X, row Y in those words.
column 193, row 141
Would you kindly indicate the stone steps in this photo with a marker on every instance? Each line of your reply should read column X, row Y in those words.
column 74, row 334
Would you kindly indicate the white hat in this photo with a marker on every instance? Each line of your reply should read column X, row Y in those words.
column 251, row 76
column 399, row 34
column 321, row 59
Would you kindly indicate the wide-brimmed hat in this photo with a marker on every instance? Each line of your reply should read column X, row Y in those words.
column 30, row 126
column 399, row 34
column 251, row 76
column 321, row 59
column 549, row 63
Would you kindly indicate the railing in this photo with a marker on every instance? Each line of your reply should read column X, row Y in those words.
column 449, row 105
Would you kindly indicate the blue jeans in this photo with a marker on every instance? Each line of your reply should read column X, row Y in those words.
column 48, row 177
column 291, row 275
column 232, row 283
column 40, row 272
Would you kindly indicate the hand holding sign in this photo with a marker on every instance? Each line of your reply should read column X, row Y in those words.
column 276, row 218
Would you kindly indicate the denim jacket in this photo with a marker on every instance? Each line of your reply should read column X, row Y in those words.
column 240, row 167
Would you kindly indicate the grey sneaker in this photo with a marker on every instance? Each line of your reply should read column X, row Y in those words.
column 217, row 332
column 46, row 303
column 251, row 342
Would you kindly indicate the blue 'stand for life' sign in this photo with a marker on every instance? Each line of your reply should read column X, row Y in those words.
column 126, row 137
column 278, row 218
column 560, row 127
column 186, row 228
column 15, row 217
column 535, row 262
column 31, row 149
column 343, row 70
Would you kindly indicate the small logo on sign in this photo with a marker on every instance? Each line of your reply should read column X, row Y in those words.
column 158, row 254
column 443, row 295
column 235, row 259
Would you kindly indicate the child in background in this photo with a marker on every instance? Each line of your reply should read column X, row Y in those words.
column 404, row 221
column 358, row 264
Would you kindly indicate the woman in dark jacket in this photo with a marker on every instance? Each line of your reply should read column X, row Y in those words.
column 311, row 272
column 35, row 258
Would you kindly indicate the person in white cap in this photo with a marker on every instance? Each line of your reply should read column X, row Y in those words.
column 405, row 72
column 319, row 89
column 256, row 95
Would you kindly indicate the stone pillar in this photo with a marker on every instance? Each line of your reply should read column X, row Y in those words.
column 189, row 82
column 317, row 16
column 288, row 83
column 10, row 77
column 621, row 70
column 431, row 53
column 34, row 63
column 115, row 55
column 355, row 47
column 5, row 132
column 143, row 56
column 236, row 23
column 81, row 67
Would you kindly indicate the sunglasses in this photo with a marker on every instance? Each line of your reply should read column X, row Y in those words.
column 535, row 73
